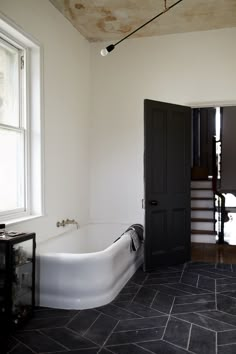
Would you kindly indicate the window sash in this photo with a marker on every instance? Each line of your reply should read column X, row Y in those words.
column 18, row 204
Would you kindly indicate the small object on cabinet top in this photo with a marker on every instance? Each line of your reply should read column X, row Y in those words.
column 14, row 233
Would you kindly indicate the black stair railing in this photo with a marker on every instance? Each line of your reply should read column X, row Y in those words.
column 219, row 205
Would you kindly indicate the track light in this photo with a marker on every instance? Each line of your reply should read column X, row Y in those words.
column 111, row 47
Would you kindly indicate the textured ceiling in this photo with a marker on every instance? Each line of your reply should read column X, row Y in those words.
column 103, row 20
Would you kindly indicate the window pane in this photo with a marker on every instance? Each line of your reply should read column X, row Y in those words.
column 9, row 85
column 12, row 189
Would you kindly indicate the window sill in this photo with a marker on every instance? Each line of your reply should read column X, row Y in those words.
column 21, row 220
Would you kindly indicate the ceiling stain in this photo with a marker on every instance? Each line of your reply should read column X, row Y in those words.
column 110, row 18
column 107, row 20
column 79, row 6
column 69, row 10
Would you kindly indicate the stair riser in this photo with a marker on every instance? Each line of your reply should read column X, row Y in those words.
column 201, row 184
column 202, row 214
column 203, row 238
column 209, row 226
column 202, row 193
column 202, row 203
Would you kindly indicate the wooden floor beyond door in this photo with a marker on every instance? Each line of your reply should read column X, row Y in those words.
column 205, row 252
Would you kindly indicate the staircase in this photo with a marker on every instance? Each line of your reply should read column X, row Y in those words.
column 202, row 212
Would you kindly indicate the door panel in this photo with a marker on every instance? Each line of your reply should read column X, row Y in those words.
column 167, row 134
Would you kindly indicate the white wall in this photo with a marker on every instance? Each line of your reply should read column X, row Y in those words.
column 189, row 69
column 66, row 78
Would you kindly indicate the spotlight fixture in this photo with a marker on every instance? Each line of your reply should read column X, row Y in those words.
column 110, row 47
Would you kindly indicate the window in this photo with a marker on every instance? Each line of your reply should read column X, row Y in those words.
column 20, row 126
column 13, row 130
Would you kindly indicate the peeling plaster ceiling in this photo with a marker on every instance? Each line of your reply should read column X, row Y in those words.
column 105, row 20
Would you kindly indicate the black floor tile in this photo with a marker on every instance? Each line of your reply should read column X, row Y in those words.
column 138, row 309
column 188, row 289
column 138, row 321
column 117, row 312
column 142, row 323
column 19, row 349
column 204, row 306
column 224, row 281
column 190, row 279
column 230, row 294
column 48, row 313
column 206, row 283
column 101, row 329
column 177, row 332
column 50, row 322
column 220, row 316
column 162, row 280
column 162, row 347
column 127, row 349
column 68, row 339
column 130, row 289
column 162, row 275
column 227, row 349
column 145, row 296
column 38, row 342
column 135, row 336
column 78, row 351
column 202, row 341
column 83, row 321
column 206, row 322
column 163, row 302
column 226, row 304
column 226, row 287
column 123, row 297
column 228, row 337
column 207, row 273
column 168, row 290
column 192, row 299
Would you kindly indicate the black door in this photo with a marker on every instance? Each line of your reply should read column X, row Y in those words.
column 167, row 164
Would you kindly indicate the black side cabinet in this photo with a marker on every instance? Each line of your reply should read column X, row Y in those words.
column 17, row 279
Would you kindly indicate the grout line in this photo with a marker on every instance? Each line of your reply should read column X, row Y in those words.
column 99, row 315
column 108, row 337
column 173, row 301
column 54, row 340
column 189, row 335
column 181, row 276
column 147, row 350
column 197, row 325
column 177, row 346
column 72, row 318
column 13, row 348
column 157, row 292
column 198, row 279
column 216, row 342
column 80, row 335
column 139, row 329
column 20, row 342
column 131, row 312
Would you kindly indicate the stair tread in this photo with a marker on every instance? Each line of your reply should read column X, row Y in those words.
column 202, row 198
column 202, row 208
column 201, row 189
column 203, row 232
column 203, row 219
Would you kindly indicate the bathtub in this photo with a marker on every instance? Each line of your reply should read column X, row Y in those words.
column 73, row 277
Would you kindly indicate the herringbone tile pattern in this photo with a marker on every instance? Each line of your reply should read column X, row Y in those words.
column 190, row 308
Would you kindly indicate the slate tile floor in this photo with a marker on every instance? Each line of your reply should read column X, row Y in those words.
column 189, row 308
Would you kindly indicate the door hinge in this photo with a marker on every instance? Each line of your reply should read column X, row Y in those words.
column 143, row 203
column 22, row 62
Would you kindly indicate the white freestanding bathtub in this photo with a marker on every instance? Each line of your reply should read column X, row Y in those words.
column 71, row 277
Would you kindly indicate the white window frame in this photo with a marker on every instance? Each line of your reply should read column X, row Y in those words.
column 33, row 103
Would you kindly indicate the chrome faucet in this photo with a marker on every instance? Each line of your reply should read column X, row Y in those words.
column 67, row 222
